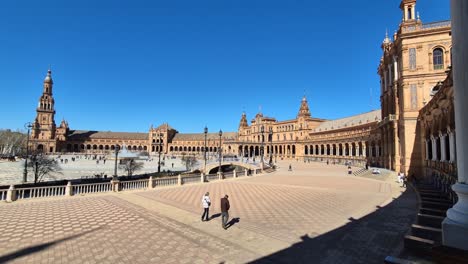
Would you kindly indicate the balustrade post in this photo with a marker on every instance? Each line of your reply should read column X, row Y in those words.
column 202, row 177
column 69, row 189
column 115, row 185
column 234, row 174
column 179, row 179
column 11, row 194
column 255, row 172
column 150, row 182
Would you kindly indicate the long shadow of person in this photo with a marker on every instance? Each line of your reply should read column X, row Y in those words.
column 232, row 222
column 215, row 216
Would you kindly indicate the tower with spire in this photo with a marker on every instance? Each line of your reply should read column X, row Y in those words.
column 44, row 128
column 304, row 109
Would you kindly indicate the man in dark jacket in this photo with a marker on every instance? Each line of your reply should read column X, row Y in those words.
column 224, row 211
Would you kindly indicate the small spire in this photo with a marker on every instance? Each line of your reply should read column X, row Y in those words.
column 386, row 39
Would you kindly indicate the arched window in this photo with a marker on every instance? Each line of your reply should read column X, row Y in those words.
column 438, row 59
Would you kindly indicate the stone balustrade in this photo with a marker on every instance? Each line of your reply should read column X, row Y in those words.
column 13, row 194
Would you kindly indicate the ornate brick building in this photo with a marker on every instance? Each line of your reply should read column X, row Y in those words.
column 305, row 137
column 411, row 65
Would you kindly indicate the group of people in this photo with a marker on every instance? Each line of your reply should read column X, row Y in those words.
column 206, row 203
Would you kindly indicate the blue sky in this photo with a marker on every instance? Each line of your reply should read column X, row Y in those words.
column 124, row 65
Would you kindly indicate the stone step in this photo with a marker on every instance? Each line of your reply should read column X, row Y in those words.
column 395, row 260
column 432, row 195
column 435, row 205
column 436, row 200
column 426, row 232
column 427, row 191
column 430, row 211
column 418, row 245
column 430, row 220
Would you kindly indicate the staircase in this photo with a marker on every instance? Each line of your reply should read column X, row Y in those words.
column 426, row 233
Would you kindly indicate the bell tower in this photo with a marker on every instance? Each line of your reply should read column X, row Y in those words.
column 44, row 125
column 304, row 109
column 408, row 7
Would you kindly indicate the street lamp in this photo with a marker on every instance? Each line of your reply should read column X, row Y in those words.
column 115, row 163
column 270, row 133
column 28, row 125
column 220, row 135
column 262, row 130
column 204, row 149
column 159, row 151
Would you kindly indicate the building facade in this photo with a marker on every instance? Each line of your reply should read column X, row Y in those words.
column 411, row 65
column 304, row 138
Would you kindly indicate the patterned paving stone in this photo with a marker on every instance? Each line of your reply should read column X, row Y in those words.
column 323, row 215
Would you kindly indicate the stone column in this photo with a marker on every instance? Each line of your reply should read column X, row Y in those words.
column 405, row 14
column 364, row 149
column 69, row 189
column 427, row 149
column 442, row 147
column 452, row 147
column 455, row 225
column 11, row 194
column 326, row 150
column 245, row 173
column 395, row 68
column 179, row 180
column 377, row 151
column 434, row 148
column 234, row 174
column 202, row 177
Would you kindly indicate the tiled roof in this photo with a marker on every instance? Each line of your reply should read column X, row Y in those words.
column 201, row 136
column 350, row 121
column 84, row 134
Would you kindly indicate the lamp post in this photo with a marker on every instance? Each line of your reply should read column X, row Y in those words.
column 115, row 163
column 220, row 135
column 204, row 148
column 28, row 125
column 270, row 133
column 159, row 151
column 262, row 130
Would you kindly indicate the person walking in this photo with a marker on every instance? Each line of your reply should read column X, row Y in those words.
column 206, row 202
column 225, row 211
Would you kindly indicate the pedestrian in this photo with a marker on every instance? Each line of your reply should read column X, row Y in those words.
column 350, row 170
column 206, row 202
column 290, row 167
column 224, row 211
column 405, row 181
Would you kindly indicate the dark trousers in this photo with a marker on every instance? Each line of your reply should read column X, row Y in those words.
column 206, row 213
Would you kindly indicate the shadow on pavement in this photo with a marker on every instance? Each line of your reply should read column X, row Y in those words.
column 233, row 222
column 33, row 249
column 365, row 240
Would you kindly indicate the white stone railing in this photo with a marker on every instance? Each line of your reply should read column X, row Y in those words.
column 134, row 185
column 91, row 188
column 13, row 194
column 165, row 181
column 212, row 177
column 36, row 192
column 191, row 179
column 3, row 195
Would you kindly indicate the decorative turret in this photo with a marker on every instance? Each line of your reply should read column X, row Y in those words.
column 304, row 109
column 243, row 121
column 386, row 43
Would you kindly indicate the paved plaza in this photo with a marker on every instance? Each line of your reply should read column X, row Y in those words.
column 314, row 214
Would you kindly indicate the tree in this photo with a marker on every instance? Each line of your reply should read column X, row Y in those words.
column 42, row 166
column 188, row 160
column 12, row 143
column 131, row 166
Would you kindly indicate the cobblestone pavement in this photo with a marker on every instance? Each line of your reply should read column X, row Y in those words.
column 315, row 214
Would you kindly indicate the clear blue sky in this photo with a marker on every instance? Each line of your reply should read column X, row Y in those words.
column 124, row 65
